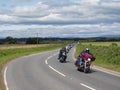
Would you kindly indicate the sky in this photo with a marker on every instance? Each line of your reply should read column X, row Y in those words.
column 59, row 18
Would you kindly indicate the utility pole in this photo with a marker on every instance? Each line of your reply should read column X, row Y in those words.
column 37, row 38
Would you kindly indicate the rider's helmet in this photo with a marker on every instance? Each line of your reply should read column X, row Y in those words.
column 87, row 50
column 63, row 48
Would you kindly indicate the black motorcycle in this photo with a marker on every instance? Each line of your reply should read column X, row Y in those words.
column 63, row 57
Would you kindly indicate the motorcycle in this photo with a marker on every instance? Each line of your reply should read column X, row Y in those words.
column 85, row 66
column 63, row 57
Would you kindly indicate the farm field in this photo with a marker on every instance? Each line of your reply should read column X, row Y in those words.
column 101, row 43
column 22, row 46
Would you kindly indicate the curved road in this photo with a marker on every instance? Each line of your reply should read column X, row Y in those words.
column 43, row 72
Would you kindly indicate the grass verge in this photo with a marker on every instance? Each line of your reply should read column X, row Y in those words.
column 10, row 53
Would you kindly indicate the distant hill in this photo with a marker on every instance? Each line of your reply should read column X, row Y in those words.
column 111, row 36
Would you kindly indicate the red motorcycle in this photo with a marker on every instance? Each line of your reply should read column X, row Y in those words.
column 85, row 66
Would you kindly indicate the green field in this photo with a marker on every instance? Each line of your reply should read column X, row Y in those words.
column 9, row 52
column 107, row 53
column 101, row 43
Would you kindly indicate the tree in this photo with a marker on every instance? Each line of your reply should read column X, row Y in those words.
column 11, row 40
column 31, row 41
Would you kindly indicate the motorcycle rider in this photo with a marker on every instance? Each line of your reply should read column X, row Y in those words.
column 86, row 50
column 62, row 50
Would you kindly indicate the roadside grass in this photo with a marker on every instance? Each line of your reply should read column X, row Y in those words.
column 106, row 56
column 8, row 53
column 10, row 46
column 101, row 43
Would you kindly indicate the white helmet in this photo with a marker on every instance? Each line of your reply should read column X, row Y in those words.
column 86, row 49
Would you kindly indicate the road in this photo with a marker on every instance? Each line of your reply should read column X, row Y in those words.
column 43, row 72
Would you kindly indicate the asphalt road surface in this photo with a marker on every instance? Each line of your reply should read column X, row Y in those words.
column 44, row 72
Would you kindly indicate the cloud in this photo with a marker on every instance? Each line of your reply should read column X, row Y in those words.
column 65, row 18
column 7, row 19
column 56, row 3
column 60, row 31
column 89, row 11
column 90, row 2
column 21, row 0
column 30, row 10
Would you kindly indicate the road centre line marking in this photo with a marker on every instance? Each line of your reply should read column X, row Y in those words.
column 57, row 71
column 5, row 80
column 87, row 86
column 46, row 61
column 49, row 57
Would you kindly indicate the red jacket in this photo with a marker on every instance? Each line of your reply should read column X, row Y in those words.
column 86, row 55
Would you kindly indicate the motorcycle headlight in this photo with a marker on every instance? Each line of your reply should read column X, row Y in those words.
column 89, row 59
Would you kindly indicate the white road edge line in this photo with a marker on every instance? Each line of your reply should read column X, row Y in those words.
column 87, row 86
column 5, row 80
column 108, row 72
column 57, row 71
column 73, row 54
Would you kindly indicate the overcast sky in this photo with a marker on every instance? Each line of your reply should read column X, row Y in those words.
column 59, row 18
